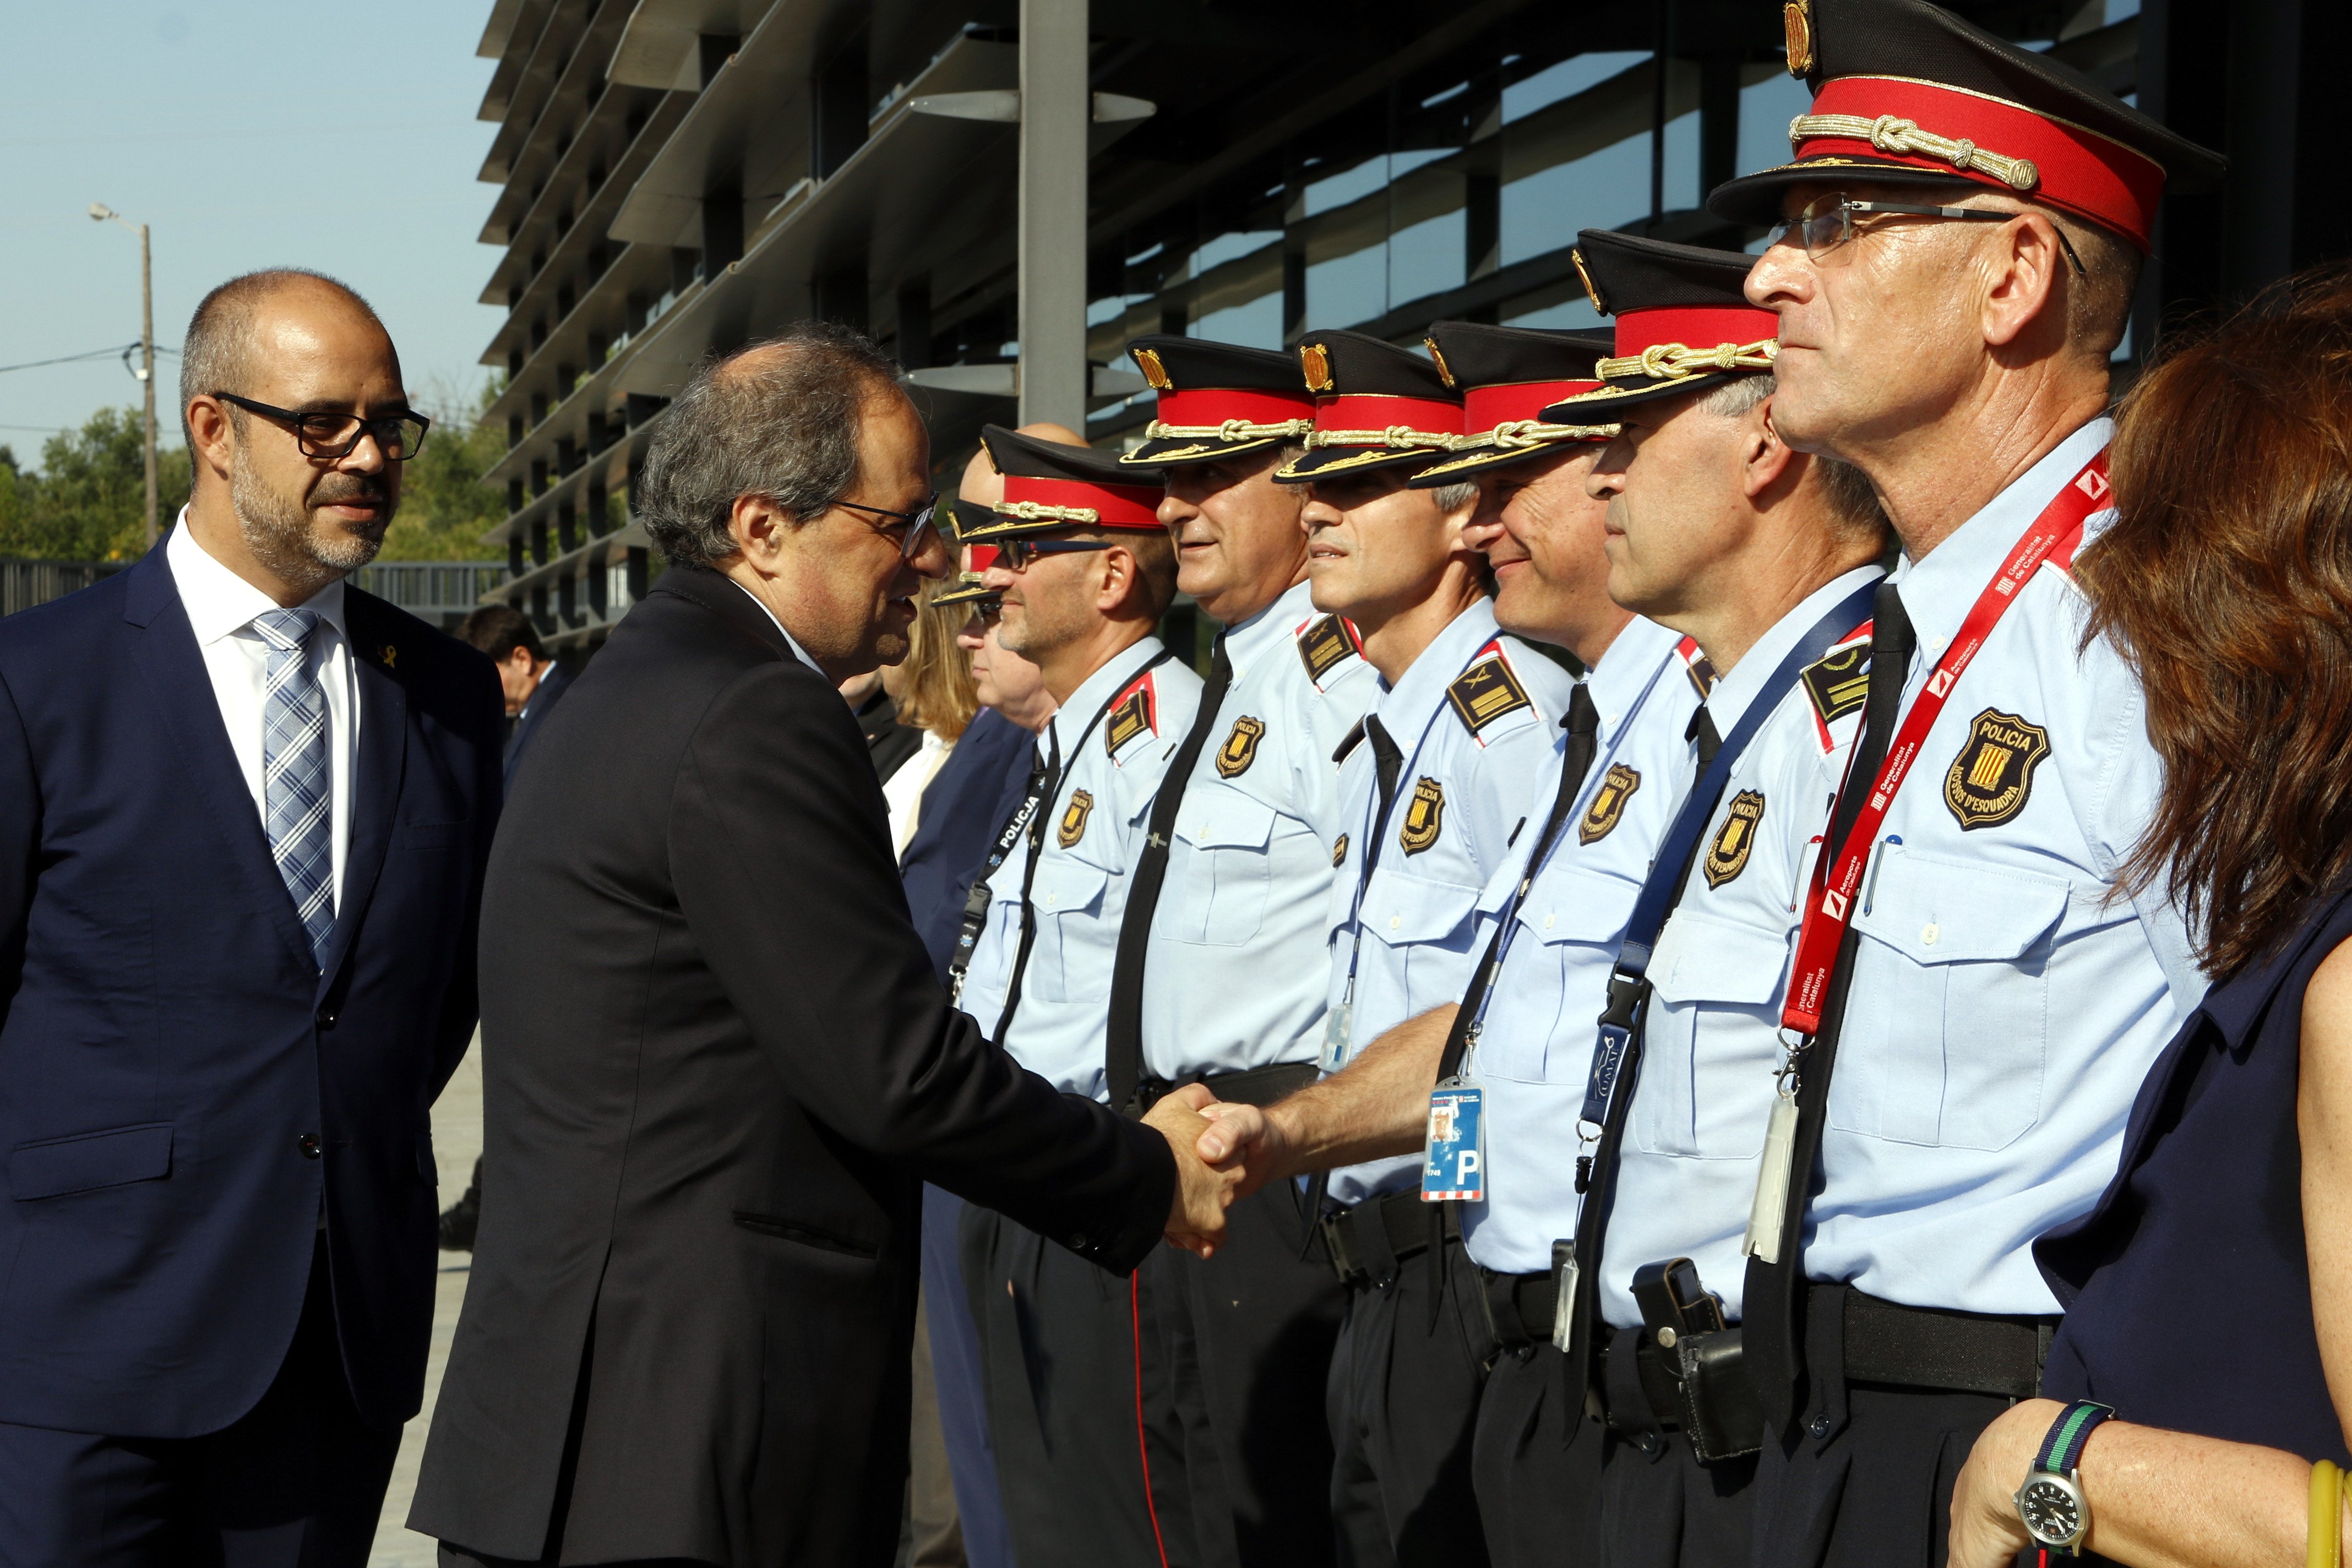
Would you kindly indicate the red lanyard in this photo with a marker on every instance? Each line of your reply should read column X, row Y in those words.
column 1829, row 903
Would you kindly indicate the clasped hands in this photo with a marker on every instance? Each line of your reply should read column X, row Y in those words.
column 1223, row 1153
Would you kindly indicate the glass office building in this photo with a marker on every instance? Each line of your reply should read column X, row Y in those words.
column 683, row 176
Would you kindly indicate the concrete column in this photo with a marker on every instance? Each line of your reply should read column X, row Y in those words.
column 1055, row 111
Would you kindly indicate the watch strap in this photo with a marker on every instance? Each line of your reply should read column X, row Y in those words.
column 2062, row 1446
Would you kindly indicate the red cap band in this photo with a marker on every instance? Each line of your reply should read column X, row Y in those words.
column 1374, row 411
column 1215, row 404
column 1483, row 408
column 1693, row 326
column 2079, row 171
column 1118, row 506
column 983, row 556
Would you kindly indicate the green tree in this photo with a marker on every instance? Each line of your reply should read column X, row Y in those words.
column 445, row 508
column 89, row 501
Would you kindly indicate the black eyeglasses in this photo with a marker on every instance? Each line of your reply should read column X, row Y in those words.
column 1015, row 554
column 1826, row 225
column 921, row 523
column 334, row 435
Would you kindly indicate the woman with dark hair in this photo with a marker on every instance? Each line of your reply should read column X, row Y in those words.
column 2209, row 1294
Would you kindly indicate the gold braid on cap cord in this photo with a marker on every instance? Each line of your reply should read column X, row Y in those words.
column 1231, row 430
column 1514, row 434
column 1891, row 133
column 1037, row 511
column 1674, row 362
column 1394, row 436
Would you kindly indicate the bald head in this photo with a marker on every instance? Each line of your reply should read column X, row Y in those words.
column 229, row 335
column 984, row 486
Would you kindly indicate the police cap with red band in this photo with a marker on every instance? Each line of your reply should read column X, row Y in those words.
column 1216, row 400
column 1376, row 406
column 1050, row 488
column 1906, row 93
column 1508, row 376
column 1682, row 317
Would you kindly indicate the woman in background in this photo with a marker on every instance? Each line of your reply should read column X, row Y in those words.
column 2209, row 1294
column 933, row 690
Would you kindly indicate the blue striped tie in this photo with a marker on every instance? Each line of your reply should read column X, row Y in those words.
column 295, row 784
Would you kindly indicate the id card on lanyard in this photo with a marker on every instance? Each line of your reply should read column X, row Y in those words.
column 1838, row 870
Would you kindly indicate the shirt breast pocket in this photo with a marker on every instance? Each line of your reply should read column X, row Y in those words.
column 1557, row 981
column 1070, row 959
column 1227, row 875
column 1427, row 926
column 1947, row 1023
column 1710, row 1040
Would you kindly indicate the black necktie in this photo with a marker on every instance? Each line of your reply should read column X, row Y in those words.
column 1387, row 761
column 1593, row 1220
column 1123, row 1039
column 1772, row 1338
column 1050, row 762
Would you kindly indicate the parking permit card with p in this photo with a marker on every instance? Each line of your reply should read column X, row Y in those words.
column 1453, row 1164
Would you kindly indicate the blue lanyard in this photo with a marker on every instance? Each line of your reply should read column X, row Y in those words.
column 1594, row 775
column 1627, row 986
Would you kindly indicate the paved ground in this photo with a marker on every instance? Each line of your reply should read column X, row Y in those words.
column 457, row 1139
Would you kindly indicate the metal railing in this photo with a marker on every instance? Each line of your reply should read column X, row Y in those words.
column 24, row 583
column 431, row 590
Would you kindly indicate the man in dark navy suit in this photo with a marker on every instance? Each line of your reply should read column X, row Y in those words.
column 245, row 811
column 530, row 680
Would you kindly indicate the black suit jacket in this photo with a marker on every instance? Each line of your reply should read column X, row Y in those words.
column 717, row 1069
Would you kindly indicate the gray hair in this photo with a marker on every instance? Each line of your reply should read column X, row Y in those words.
column 1452, row 496
column 1852, row 502
column 779, row 419
column 216, row 354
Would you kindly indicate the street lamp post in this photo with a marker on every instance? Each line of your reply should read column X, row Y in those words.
column 99, row 211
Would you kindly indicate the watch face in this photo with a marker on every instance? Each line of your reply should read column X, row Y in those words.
column 2050, row 1511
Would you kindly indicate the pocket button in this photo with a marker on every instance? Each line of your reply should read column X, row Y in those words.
column 309, row 1144
column 1928, row 934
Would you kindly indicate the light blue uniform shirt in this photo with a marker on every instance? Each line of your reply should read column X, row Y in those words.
column 1463, row 799
column 1535, row 1044
column 1710, row 1041
column 2007, row 999
column 1089, row 837
column 1234, row 975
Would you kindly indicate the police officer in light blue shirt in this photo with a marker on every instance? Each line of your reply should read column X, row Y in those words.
column 1085, row 572
column 1962, row 1082
column 1219, row 972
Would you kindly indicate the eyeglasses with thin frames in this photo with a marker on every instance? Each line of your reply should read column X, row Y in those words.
column 333, row 436
column 921, row 523
column 1826, row 226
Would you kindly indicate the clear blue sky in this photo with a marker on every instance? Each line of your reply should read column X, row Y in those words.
column 345, row 142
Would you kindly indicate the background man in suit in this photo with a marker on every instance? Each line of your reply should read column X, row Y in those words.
column 244, row 814
column 717, row 1067
column 531, row 680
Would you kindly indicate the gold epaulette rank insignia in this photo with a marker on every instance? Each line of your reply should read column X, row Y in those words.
column 1131, row 718
column 1340, row 852
column 1240, row 749
column 1424, row 816
column 1073, row 819
column 1728, row 855
column 1608, row 805
column 1325, row 645
column 1485, row 692
column 1991, row 779
column 1838, row 681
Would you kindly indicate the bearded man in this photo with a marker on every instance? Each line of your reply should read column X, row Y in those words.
column 244, row 810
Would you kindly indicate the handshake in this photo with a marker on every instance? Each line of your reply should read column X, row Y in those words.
column 1223, row 1153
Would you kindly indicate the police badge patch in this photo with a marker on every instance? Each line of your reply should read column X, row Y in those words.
column 1839, row 681
column 1609, row 805
column 1485, row 692
column 1073, row 819
column 1240, row 749
column 1340, row 852
column 1991, row 779
column 1728, row 855
column 1424, row 815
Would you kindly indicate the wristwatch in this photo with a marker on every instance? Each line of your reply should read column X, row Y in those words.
column 2050, row 1501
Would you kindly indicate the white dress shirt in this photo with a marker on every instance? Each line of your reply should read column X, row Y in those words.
column 221, row 609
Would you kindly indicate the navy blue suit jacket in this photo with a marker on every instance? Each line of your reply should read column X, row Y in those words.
column 167, row 1041
column 534, row 713
column 973, row 793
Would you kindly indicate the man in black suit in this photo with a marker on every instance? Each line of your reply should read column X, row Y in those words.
column 244, row 810
column 717, row 1064
column 531, row 680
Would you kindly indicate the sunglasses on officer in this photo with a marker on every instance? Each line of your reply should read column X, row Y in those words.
column 1826, row 225
column 1015, row 554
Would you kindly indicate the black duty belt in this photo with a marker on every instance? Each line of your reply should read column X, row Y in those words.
column 1920, row 1347
column 1366, row 1242
column 1521, row 1308
column 1257, row 1086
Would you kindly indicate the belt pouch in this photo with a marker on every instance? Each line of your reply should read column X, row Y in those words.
column 1721, row 1415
